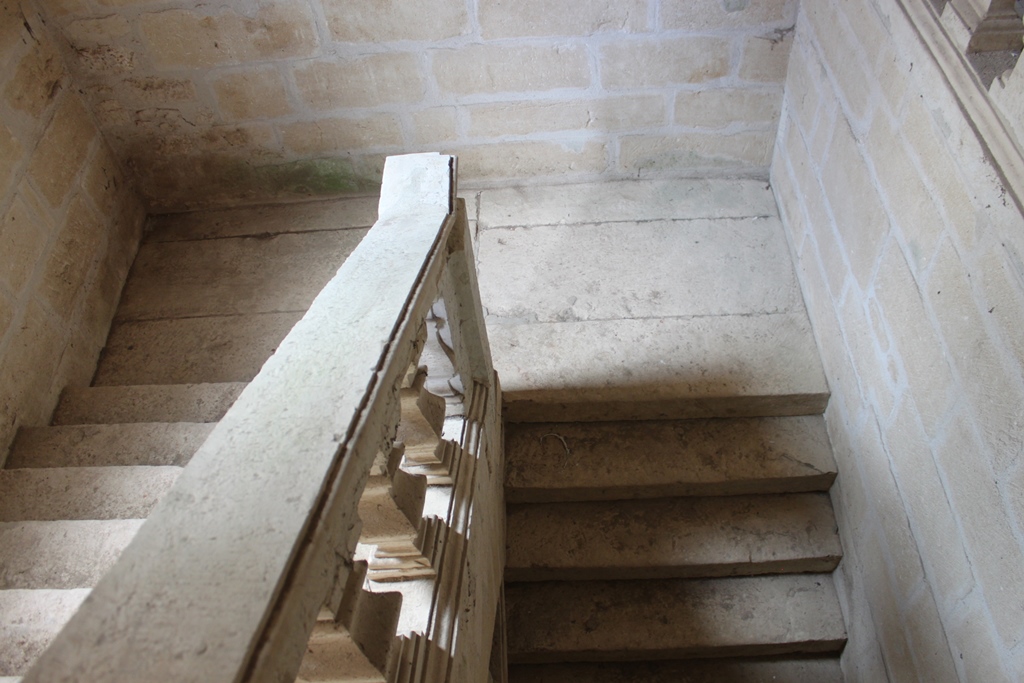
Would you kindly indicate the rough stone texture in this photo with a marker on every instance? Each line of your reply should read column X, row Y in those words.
column 684, row 303
column 59, row 493
column 61, row 554
column 667, row 619
column 609, row 461
column 180, row 351
column 903, row 228
column 672, row 538
column 100, row 445
column 242, row 102
column 656, row 368
column 805, row 670
column 37, row 615
column 69, row 226
column 152, row 403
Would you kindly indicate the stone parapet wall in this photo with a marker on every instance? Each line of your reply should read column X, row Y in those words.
column 908, row 246
column 71, row 224
column 255, row 101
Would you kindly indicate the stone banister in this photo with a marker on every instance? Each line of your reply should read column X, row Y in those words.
column 255, row 543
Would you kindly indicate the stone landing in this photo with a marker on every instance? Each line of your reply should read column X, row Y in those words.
column 644, row 300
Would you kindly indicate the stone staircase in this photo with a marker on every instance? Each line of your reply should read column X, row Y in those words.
column 208, row 299
column 661, row 541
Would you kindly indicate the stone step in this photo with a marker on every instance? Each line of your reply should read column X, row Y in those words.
column 31, row 619
column 147, row 403
column 61, row 554
column 143, row 443
column 621, row 460
column 739, row 670
column 672, row 537
column 564, row 621
column 57, row 493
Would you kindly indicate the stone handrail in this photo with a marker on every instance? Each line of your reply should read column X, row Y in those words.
column 254, row 545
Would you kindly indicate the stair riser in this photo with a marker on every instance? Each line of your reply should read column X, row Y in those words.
column 810, row 484
column 811, row 565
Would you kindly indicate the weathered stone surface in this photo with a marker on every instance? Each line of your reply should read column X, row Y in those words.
column 672, row 538
column 513, row 68
column 252, row 94
column 34, row 618
column 192, row 350
column 58, row 493
column 624, row 460
column 650, row 154
column 802, row 670
column 657, row 269
column 273, row 219
column 668, row 61
column 392, row 20
column 63, row 149
column 361, row 82
column 61, row 554
column 149, row 403
column 675, row 618
column 625, row 200
column 100, row 445
column 704, row 15
column 535, row 18
column 259, row 274
column 656, row 368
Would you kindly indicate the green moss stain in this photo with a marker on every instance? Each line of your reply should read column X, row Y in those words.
column 318, row 177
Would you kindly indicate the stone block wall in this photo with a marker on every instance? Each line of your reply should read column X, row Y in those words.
column 236, row 101
column 70, row 226
column 909, row 249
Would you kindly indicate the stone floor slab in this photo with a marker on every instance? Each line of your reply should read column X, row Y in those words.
column 30, row 620
column 146, row 403
column 626, row 200
column 555, row 462
column 657, row 269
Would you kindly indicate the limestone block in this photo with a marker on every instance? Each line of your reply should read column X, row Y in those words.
column 719, row 108
column 917, row 342
column 336, row 214
column 25, row 381
column 392, row 20
column 146, row 403
column 24, row 235
column 339, row 135
column 35, row 618
column 182, row 351
column 105, row 183
column 439, row 124
column 658, row 153
column 627, row 460
column 37, row 78
column 238, row 275
column 975, row 645
column 191, row 39
column 511, row 68
column 369, row 81
column 659, row 367
column 619, row 201
column 11, row 29
column 146, row 443
column 668, row 61
column 842, row 54
column 765, row 58
column 251, row 94
column 73, row 255
column 860, row 217
column 671, row 538
column 711, row 15
column 57, row 493
column 61, row 554
column 631, row 270
column 931, row 646
column 535, row 18
column 6, row 312
column 667, row 619
column 606, row 114
column 529, row 159
column 63, row 149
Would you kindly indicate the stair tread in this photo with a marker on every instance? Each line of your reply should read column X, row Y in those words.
column 61, row 554
column 740, row 670
column 673, row 618
column 674, row 537
column 550, row 462
column 146, row 403
column 141, row 443
column 56, row 493
column 29, row 620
